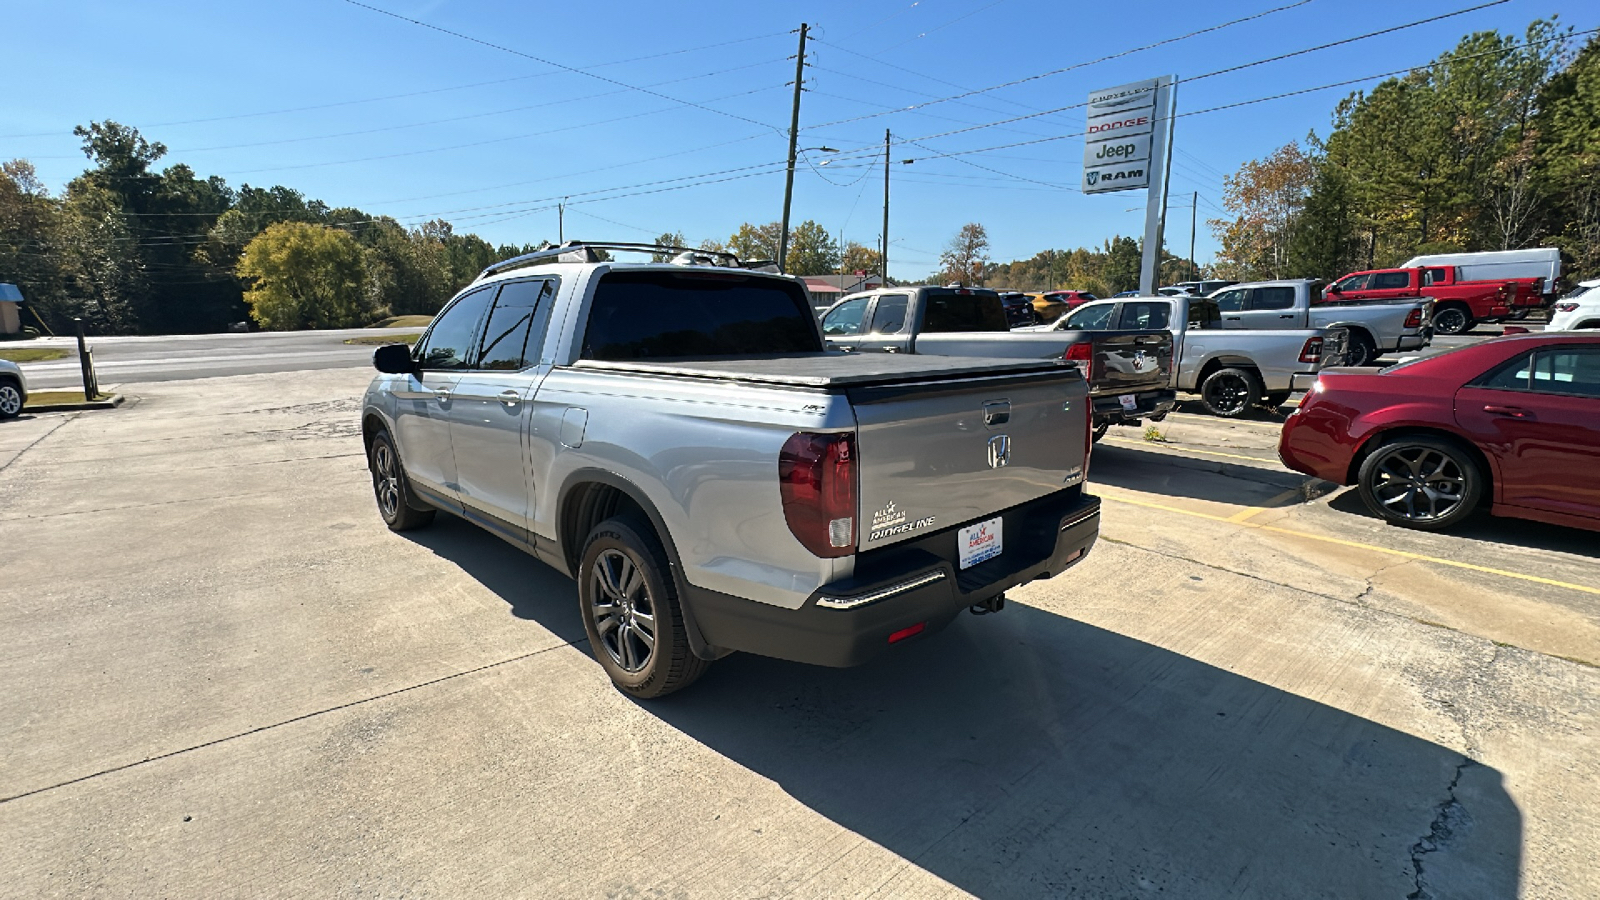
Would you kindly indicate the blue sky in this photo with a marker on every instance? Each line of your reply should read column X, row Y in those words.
column 304, row 93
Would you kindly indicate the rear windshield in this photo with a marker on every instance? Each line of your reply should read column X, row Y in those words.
column 949, row 311
column 661, row 315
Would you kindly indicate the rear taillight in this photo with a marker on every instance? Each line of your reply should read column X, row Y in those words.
column 1565, row 307
column 1081, row 352
column 1312, row 351
column 1414, row 320
column 817, row 480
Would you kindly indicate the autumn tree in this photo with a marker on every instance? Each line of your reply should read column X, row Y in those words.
column 1265, row 198
column 860, row 259
column 965, row 257
column 305, row 276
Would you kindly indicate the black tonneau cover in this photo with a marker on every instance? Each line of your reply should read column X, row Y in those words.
column 830, row 370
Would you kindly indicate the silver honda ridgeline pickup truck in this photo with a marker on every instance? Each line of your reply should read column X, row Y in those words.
column 676, row 438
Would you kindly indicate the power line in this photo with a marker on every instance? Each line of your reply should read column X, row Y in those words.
column 577, row 71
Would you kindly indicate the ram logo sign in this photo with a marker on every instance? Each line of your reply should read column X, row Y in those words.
column 1116, row 149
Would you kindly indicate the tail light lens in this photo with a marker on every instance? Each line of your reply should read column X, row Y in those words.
column 1414, row 319
column 1312, row 351
column 1566, row 307
column 1080, row 352
column 817, row 480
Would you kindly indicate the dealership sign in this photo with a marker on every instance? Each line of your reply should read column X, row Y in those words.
column 1116, row 147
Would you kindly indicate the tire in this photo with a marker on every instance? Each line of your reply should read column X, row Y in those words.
column 1100, row 431
column 397, row 504
column 1520, row 313
column 1426, row 483
column 1230, row 392
column 1275, row 399
column 1453, row 319
column 10, row 399
column 1363, row 352
column 630, row 611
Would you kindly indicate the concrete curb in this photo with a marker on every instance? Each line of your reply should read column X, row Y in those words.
column 115, row 400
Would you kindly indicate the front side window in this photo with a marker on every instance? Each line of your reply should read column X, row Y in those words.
column 1353, row 283
column 1273, row 298
column 1091, row 318
column 846, row 318
column 1230, row 301
column 1390, row 281
column 510, row 339
column 448, row 343
column 889, row 316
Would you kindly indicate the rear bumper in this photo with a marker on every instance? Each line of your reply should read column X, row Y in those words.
column 1415, row 341
column 1110, row 411
column 848, row 622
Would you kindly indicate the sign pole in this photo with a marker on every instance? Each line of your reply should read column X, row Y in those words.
column 1155, row 212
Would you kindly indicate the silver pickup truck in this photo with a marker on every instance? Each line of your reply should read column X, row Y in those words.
column 1375, row 327
column 1128, row 370
column 676, row 438
column 1231, row 369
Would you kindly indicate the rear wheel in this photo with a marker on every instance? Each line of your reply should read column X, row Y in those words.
column 1363, row 352
column 1421, row 482
column 10, row 399
column 1275, row 399
column 1230, row 392
column 399, row 508
column 631, row 613
column 1100, row 431
column 1452, row 319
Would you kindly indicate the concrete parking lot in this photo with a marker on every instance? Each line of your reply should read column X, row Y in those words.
column 225, row 677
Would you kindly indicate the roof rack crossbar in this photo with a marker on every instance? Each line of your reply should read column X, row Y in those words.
column 584, row 251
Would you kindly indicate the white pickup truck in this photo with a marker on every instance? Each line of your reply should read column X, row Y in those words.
column 676, row 437
column 1376, row 327
column 1232, row 369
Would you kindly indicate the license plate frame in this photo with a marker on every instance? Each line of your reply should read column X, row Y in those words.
column 980, row 542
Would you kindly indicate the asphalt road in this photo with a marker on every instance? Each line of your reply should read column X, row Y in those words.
column 181, row 357
column 224, row 677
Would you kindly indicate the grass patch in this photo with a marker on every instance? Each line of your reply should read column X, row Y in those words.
column 1154, row 435
column 51, row 398
column 403, row 322
column 384, row 339
column 34, row 354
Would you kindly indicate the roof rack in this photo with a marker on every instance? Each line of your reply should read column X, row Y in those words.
column 585, row 252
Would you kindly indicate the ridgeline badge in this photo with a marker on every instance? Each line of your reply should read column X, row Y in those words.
column 891, row 521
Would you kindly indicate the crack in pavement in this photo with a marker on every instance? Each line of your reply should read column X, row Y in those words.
column 20, row 453
column 1450, row 820
column 289, row 721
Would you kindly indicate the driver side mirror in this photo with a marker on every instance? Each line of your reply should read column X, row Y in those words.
column 394, row 359
column 1335, row 289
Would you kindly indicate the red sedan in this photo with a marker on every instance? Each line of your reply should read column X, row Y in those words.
column 1512, row 424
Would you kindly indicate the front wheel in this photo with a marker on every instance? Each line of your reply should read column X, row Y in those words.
column 631, row 613
column 10, row 400
column 1230, row 392
column 1421, row 482
column 1452, row 320
column 400, row 511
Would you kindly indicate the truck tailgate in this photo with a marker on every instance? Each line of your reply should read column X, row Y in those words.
column 933, row 456
column 1127, row 362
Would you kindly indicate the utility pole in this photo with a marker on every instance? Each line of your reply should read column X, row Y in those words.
column 1194, row 216
column 883, row 252
column 561, row 221
column 794, row 137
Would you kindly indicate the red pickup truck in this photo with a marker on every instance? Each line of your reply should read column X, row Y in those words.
column 1458, row 305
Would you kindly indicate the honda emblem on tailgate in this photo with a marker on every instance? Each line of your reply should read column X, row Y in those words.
column 999, row 450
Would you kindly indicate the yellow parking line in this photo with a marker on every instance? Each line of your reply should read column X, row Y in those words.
column 1251, row 512
column 1189, row 449
column 1358, row 545
column 1275, row 426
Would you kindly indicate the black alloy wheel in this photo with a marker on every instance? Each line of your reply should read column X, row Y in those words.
column 1452, row 320
column 1362, row 351
column 1230, row 392
column 1421, row 482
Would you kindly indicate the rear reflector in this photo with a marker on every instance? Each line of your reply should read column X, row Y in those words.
column 904, row 633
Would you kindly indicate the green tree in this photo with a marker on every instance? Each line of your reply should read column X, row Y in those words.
column 755, row 242
column 305, row 276
column 1567, row 156
column 812, row 251
column 1120, row 272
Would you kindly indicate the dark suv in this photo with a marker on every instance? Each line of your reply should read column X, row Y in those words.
column 1019, row 309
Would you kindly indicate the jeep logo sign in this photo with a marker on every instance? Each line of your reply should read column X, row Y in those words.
column 1116, row 149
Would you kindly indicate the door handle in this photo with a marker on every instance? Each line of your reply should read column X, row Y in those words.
column 1515, row 412
column 891, row 349
column 510, row 398
column 1231, row 318
column 846, row 349
column 443, row 395
column 1286, row 317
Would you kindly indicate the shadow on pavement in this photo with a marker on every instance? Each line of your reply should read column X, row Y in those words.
column 1197, row 477
column 1495, row 529
column 1030, row 755
column 1259, row 414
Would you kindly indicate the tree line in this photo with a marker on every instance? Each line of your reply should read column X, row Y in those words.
column 1494, row 145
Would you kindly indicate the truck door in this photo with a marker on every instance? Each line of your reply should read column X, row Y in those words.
column 427, row 397
column 1268, row 308
column 843, row 325
column 889, row 330
column 1232, row 304
column 1390, row 285
column 489, row 413
column 1539, row 416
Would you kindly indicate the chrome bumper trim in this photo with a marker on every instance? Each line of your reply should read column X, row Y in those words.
column 882, row 594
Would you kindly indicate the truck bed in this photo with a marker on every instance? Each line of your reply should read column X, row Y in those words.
column 830, row 370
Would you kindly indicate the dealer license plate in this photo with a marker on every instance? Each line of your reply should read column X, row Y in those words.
column 979, row 542
column 1129, row 402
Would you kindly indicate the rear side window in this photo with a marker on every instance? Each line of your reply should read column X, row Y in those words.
column 521, row 310
column 1433, row 276
column 1145, row 316
column 1204, row 314
column 662, row 315
column 889, row 316
column 1390, row 281
column 1273, row 298
column 1558, row 370
column 948, row 311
